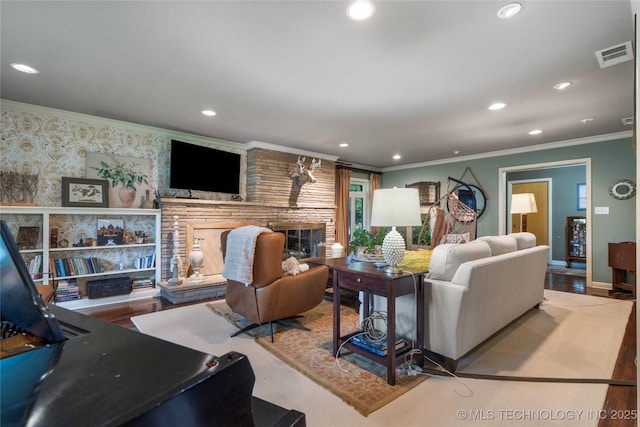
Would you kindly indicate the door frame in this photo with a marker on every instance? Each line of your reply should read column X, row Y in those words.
column 549, row 182
column 502, row 197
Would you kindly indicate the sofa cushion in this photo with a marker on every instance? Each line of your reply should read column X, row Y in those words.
column 446, row 258
column 524, row 239
column 500, row 244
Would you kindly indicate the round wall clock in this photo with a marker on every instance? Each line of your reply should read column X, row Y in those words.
column 622, row 189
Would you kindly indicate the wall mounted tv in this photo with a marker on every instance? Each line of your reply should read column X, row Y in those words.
column 195, row 167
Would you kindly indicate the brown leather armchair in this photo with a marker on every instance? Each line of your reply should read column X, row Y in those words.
column 273, row 297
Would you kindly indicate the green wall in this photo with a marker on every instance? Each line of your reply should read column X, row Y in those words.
column 610, row 160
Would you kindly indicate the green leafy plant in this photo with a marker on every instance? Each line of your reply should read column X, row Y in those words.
column 121, row 174
column 361, row 239
column 379, row 236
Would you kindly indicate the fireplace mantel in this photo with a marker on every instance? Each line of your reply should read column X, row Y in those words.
column 168, row 201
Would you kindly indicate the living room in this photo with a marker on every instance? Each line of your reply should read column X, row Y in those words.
column 53, row 143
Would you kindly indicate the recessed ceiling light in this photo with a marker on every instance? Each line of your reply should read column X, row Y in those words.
column 360, row 10
column 456, row 152
column 24, row 68
column 343, row 145
column 587, row 120
column 209, row 113
column 561, row 85
column 535, row 132
column 509, row 10
column 497, row 106
column 397, row 157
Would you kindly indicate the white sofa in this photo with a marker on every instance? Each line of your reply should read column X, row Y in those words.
column 473, row 290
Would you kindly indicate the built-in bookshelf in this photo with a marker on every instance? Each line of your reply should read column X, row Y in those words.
column 66, row 247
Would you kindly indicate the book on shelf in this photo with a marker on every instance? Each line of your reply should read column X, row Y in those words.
column 67, row 290
column 378, row 347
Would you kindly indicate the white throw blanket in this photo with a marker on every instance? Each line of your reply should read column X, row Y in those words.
column 241, row 247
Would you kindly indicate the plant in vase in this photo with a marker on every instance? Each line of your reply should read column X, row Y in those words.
column 362, row 243
column 124, row 175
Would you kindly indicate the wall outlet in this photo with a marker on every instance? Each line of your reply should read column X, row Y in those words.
column 601, row 210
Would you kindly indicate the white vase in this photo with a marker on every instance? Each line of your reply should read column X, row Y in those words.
column 195, row 259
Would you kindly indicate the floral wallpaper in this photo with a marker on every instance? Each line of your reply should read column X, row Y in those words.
column 54, row 144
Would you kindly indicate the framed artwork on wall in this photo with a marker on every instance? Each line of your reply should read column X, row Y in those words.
column 128, row 178
column 429, row 192
column 85, row 193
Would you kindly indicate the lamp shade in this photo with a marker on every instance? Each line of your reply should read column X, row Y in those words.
column 395, row 207
column 523, row 203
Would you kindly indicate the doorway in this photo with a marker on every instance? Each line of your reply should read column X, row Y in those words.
column 539, row 222
column 505, row 222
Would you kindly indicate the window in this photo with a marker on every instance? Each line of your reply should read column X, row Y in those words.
column 581, row 195
column 358, row 205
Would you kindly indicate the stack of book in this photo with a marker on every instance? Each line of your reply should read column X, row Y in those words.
column 67, row 290
column 141, row 283
column 375, row 346
column 64, row 267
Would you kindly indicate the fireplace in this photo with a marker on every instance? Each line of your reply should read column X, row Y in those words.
column 303, row 240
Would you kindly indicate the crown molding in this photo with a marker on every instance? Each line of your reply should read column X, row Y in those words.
column 520, row 150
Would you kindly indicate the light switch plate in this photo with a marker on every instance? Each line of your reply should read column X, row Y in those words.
column 601, row 210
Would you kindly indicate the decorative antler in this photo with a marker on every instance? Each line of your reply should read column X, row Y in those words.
column 304, row 174
column 315, row 164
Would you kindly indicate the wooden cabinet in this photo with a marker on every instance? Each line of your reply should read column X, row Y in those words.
column 622, row 260
column 66, row 236
column 576, row 239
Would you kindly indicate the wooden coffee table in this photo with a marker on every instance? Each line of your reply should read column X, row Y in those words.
column 363, row 277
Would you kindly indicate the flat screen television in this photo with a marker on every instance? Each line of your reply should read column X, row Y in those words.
column 195, row 167
column 22, row 305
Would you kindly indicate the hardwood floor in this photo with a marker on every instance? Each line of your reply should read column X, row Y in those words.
column 619, row 408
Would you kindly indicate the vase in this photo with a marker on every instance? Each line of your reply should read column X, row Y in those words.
column 127, row 196
column 195, row 259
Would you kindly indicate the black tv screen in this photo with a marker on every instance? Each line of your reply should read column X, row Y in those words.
column 195, row 167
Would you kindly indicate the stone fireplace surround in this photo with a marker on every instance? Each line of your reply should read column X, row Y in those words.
column 270, row 196
column 207, row 219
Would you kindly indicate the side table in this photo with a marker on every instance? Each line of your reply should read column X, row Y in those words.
column 363, row 277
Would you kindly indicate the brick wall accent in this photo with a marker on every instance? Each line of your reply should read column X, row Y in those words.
column 272, row 196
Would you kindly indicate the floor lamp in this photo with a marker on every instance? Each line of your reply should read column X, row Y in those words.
column 395, row 207
column 523, row 204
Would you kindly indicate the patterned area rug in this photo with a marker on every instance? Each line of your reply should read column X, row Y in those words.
column 356, row 380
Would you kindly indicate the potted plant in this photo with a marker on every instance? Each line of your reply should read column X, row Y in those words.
column 362, row 242
column 125, row 175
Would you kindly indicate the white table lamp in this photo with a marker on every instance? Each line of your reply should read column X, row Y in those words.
column 523, row 204
column 395, row 207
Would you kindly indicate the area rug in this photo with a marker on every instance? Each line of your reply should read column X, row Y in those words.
column 438, row 401
column 575, row 334
column 358, row 381
column 579, row 272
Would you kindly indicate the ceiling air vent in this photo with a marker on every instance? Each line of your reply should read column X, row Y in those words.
column 615, row 55
column 627, row 121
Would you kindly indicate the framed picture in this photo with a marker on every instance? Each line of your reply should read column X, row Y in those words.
column 28, row 237
column 86, row 193
column 429, row 192
column 110, row 232
column 128, row 178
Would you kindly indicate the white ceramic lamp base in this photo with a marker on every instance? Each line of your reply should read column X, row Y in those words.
column 393, row 248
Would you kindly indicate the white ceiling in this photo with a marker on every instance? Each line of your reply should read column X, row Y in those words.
column 415, row 79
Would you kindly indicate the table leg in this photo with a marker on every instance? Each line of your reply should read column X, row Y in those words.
column 391, row 338
column 336, row 312
column 420, row 318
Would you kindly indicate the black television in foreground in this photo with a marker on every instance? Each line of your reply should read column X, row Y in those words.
column 22, row 305
column 195, row 167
